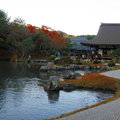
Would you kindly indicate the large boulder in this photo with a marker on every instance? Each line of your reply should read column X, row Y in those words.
column 73, row 75
column 81, row 73
column 50, row 63
column 57, row 58
column 53, row 83
column 44, row 68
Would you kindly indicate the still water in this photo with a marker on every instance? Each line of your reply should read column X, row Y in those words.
column 21, row 97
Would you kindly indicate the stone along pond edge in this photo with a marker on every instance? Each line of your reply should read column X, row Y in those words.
column 94, row 81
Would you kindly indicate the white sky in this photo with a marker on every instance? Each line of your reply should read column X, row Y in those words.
column 76, row 17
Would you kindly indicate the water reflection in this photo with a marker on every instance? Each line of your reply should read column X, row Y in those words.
column 2, row 98
column 21, row 97
column 53, row 96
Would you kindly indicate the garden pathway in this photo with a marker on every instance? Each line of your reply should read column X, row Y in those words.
column 108, row 111
column 114, row 74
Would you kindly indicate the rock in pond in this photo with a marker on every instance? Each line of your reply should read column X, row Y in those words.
column 75, row 75
column 53, row 83
column 43, row 68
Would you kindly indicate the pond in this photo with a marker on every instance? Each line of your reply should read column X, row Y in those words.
column 21, row 97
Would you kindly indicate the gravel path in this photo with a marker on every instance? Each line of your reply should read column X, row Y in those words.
column 108, row 111
column 114, row 74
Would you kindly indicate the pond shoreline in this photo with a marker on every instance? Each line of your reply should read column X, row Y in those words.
column 75, row 114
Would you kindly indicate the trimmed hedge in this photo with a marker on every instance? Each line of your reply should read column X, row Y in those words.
column 111, row 64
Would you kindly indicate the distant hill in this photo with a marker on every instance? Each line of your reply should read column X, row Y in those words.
column 88, row 36
column 61, row 32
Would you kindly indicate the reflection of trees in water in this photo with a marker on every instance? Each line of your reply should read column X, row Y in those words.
column 11, row 89
column 10, row 74
column 2, row 97
column 44, row 75
column 26, row 70
column 53, row 96
column 13, row 79
column 18, row 70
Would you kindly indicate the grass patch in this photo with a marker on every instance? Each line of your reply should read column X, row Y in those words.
column 94, row 81
column 83, row 62
column 99, row 64
column 117, row 67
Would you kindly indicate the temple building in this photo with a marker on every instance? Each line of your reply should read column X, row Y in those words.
column 107, row 39
column 78, row 49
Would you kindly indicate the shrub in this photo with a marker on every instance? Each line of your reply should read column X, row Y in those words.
column 116, row 52
column 111, row 64
column 64, row 60
column 78, row 62
column 96, row 61
column 52, row 57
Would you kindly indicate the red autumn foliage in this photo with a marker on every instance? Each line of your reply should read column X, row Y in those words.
column 57, row 39
column 32, row 29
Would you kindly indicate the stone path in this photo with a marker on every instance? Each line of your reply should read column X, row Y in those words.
column 108, row 111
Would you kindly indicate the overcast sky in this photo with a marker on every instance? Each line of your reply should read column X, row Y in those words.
column 76, row 17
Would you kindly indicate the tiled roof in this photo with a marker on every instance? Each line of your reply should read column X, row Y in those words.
column 77, row 41
column 108, row 34
column 81, row 48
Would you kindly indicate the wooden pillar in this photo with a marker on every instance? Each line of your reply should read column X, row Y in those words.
column 90, row 53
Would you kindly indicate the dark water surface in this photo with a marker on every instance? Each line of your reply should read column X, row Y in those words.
column 21, row 97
